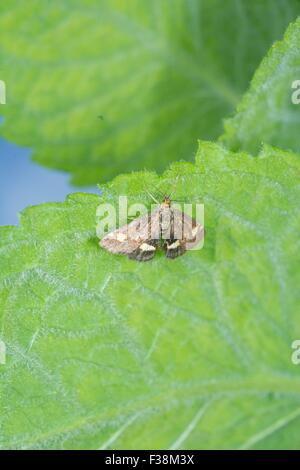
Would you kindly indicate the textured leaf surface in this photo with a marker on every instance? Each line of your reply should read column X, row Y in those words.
column 267, row 112
column 105, row 87
column 104, row 352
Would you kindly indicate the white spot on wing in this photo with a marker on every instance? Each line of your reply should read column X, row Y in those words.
column 146, row 247
column 174, row 245
column 195, row 230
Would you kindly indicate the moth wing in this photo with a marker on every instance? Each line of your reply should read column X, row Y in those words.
column 175, row 248
column 144, row 252
column 186, row 228
column 128, row 238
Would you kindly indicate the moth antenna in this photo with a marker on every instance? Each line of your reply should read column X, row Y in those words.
column 174, row 186
column 152, row 197
column 150, row 194
column 160, row 193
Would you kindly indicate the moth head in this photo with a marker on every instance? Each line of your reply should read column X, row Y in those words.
column 167, row 201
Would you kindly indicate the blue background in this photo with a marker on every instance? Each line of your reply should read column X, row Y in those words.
column 24, row 183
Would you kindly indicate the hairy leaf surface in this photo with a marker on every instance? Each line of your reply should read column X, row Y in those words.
column 106, row 352
column 270, row 111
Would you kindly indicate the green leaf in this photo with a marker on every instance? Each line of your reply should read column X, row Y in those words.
column 106, row 352
column 108, row 87
column 267, row 112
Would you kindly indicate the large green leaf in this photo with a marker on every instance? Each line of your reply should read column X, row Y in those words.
column 269, row 112
column 99, row 88
column 188, row 353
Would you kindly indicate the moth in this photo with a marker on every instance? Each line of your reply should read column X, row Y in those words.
column 165, row 227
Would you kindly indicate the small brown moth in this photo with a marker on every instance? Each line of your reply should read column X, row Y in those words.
column 166, row 227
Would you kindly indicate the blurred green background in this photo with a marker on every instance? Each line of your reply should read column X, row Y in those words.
column 97, row 88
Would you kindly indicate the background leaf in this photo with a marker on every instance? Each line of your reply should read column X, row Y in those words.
column 189, row 353
column 105, row 87
column 266, row 112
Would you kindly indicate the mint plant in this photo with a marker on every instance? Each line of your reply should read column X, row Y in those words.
column 106, row 352
column 102, row 352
